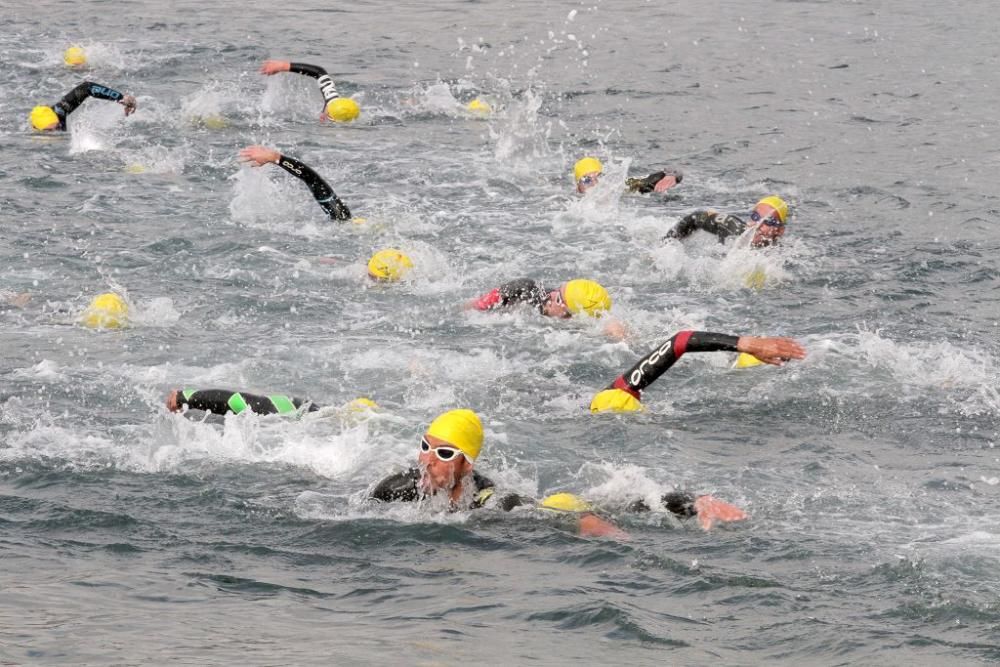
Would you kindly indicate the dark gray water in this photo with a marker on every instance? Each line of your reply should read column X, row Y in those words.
column 132, row 536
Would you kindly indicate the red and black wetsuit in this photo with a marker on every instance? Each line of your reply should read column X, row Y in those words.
column 523, row 290
column 326, row 85
column 657, row 362
column 321, row 190
column 221, row 401
column 76, row 97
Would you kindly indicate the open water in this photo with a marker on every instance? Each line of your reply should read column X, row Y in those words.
column 132, row 536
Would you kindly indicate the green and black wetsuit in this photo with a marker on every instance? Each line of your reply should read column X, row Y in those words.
column 659, row 360
column 221, row 401
column 76, row 97
column 321, row 190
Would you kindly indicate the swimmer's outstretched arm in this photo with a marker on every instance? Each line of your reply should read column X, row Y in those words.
column 221, row 401
column 770, row 350
column 522, row 290
column 707, row 508
column 321, row 190
column 712, row 222
column 76, row 97
column 658, row 181
column 326, row 85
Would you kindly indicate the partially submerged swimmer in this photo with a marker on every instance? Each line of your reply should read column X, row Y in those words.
column 625, row 393
column 767, row 218
column 445, row 468
column 258, row 156
column 587, row 172
column 46, row 118
column 336, row 108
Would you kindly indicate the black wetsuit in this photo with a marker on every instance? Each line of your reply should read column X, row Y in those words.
column 723, row 225
column 321, row 190
column 76, row 97
column 644, row 186
column 658, row 361
column 523, row 290
column 405, row 487
column 221, row 401
column 326, row 85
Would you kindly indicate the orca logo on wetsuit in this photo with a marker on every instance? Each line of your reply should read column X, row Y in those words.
column 290, row 166
column 635, row 378
column 327, row 87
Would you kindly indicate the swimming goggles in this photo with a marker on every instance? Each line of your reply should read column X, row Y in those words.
column 771, row 220
column 443, row 453
column 588, row 180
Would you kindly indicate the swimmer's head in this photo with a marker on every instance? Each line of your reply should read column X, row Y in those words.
column 615, row 400
column 479, row 107
column 106, row 311
column 388, row 265
column 586, row 297
column 74, row 56
column 44, row 118
column 449, row 448
column 586, row 171
column 565, row 502
column 770, row 215
column 342, row 109
column 361, row 404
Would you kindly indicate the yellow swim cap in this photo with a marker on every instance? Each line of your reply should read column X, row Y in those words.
column 480, row 107
column 565, row 502
column 106, row 311
column 388, row 265
column 778, row 204
column 747, row 361
column 615, row 400
column 74, row 56
column 586, row 296
column 361, row 404
column 587, row 165
column 460, row 428
column 215, row 122
column 342, row 109
column 43, row 118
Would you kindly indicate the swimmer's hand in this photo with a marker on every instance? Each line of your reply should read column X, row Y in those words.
column 711, row 509
column 616, row 330
column 669, row 180
column 771, row 350
column 173, row 402
column 129, row 103
column 592, row 525
column 258, row 156
column 275, row 67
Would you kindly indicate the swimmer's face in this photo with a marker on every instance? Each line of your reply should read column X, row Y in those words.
column 587, row 181
column 441, row 470
column 769, row 225
column 555, row 304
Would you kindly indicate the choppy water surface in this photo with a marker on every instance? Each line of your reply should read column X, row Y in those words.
column 132, row 536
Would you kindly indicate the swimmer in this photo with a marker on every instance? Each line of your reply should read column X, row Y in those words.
column 767, row 218
column 45, row 118
column 258, row 156
column 625, row 393
column 445, row 467
column 222, row 401
column 587, row 171
column 336, row 108
column 575, row 297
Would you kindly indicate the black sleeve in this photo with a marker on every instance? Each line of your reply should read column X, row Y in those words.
column 645, row 185
column 321, row 190
column 401, row 487
column 680, row 503
column 326, row 85
column 722, row 226
column 221, row 401
column 523, row 290
column 75, row 97
column 657, row 362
